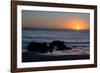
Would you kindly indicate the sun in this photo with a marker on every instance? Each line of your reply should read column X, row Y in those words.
column 77, row 28
column 76, row 24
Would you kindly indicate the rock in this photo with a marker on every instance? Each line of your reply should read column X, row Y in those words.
column 37, row 47
column 59, row 45
column 47, row 47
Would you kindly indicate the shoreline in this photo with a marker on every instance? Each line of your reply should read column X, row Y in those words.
column 31, row 57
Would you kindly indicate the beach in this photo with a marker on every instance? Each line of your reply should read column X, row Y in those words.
column 29, row 57
column 54, row 45
column 75, row 54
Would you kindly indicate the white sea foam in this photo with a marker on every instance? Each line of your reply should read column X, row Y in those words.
column 75, row 39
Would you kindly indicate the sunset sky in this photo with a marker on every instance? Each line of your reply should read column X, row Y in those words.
column 55, row 20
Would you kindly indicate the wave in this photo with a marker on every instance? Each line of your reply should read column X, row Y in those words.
column 70, row 38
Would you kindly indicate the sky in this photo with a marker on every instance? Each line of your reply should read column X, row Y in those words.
column 55, row 20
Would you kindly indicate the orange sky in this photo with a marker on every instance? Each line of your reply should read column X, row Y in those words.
column 76, row 24
column 55, row 20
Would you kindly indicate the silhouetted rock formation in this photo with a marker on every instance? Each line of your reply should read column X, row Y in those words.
column 47, row 47
column 59, row 45
column 37, row 47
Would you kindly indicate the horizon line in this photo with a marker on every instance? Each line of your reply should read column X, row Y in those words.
column 54, row 29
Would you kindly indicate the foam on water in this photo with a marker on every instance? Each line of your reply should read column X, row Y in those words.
column 75, row 39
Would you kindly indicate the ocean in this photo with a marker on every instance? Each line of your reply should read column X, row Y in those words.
column 73, row 38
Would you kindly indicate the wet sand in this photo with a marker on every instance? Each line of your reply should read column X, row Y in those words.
column 32, row 57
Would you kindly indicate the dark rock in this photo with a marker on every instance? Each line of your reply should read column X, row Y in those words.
column 59, row 45
column 37, row 47
column 47, row 47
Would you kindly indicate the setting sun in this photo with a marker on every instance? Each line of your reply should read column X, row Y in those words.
column 78, row 28
column 77, row 24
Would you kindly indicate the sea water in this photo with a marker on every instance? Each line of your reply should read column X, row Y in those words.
column 72, row 38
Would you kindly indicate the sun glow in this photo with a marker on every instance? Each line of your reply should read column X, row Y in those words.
column 77, row 24
column 77, row 28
